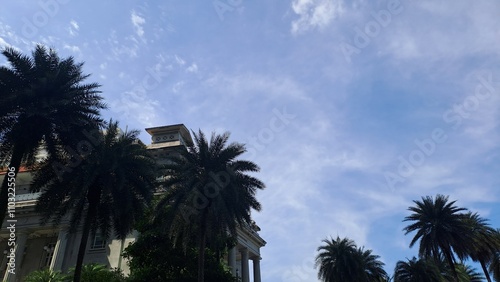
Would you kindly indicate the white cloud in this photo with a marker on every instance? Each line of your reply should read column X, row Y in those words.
column 73, row 28
column 72, row 48
column 138, row 23
column 315, row 13
column 75, row 25
column 192, row 68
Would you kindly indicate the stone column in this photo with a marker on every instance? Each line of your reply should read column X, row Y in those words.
column 231, row 260
column 245, row 274
column 59, row 250
column 21, row 239
column 256, row 269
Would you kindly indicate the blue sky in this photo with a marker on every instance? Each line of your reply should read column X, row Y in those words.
column 352, row 109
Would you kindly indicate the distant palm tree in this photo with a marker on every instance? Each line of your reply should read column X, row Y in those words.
column 439, row 228
column 209, row 191
column 484, row 244
column 43, row 101
column 108, row 192
column 340, row 260
column 417, row 270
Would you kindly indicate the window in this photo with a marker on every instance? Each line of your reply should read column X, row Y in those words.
column 49, row 254
column 98, row 242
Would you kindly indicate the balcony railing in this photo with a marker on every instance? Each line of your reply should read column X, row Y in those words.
column 27, row 197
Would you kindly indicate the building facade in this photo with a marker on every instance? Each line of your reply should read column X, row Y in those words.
column 38, row 247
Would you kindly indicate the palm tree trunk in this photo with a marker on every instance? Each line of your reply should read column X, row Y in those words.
column 91, row 212
column 201, row 249
column 15, row 162
column 486, row 273
column 451, row 264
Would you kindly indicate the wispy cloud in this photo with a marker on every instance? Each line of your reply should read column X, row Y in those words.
column 72, row 48
column 192, row 68
column 10, row 37
column 138, row 23
column 315, row 13
column 73, row 28
column 463, row 21
column 179, row 60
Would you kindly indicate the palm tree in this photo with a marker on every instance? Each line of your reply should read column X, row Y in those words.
column 46, row 275
column 483, row 245
column 340, row 260
column 468, row 274
column 94, row 272
column 43, row 101
column 373, row 267
column 439, row 228
column 417, row 270
column 494, row 267
column 109, row 191
column 210, row 192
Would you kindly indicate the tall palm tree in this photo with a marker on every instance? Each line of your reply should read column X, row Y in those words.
column 439, row 228
column 108, row 192
column 417, row 270
column 43, row 101
column 340, row 260
column 483, row 245
column 210, row 192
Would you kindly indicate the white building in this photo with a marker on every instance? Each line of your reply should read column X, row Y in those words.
column 49, row 246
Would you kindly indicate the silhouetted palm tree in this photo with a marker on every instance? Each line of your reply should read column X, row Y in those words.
column 417, row 270
column 439, row 228
column 209, row 191
column 108, row 192
column 468, row 274
column 43, row 101
column 494, row 267
column 340, row 260
column 373, row 267
column 483, row 245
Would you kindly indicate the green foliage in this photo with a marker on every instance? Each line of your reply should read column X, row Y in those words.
column 152, row 257
column 46, row 275
column 94, row 272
